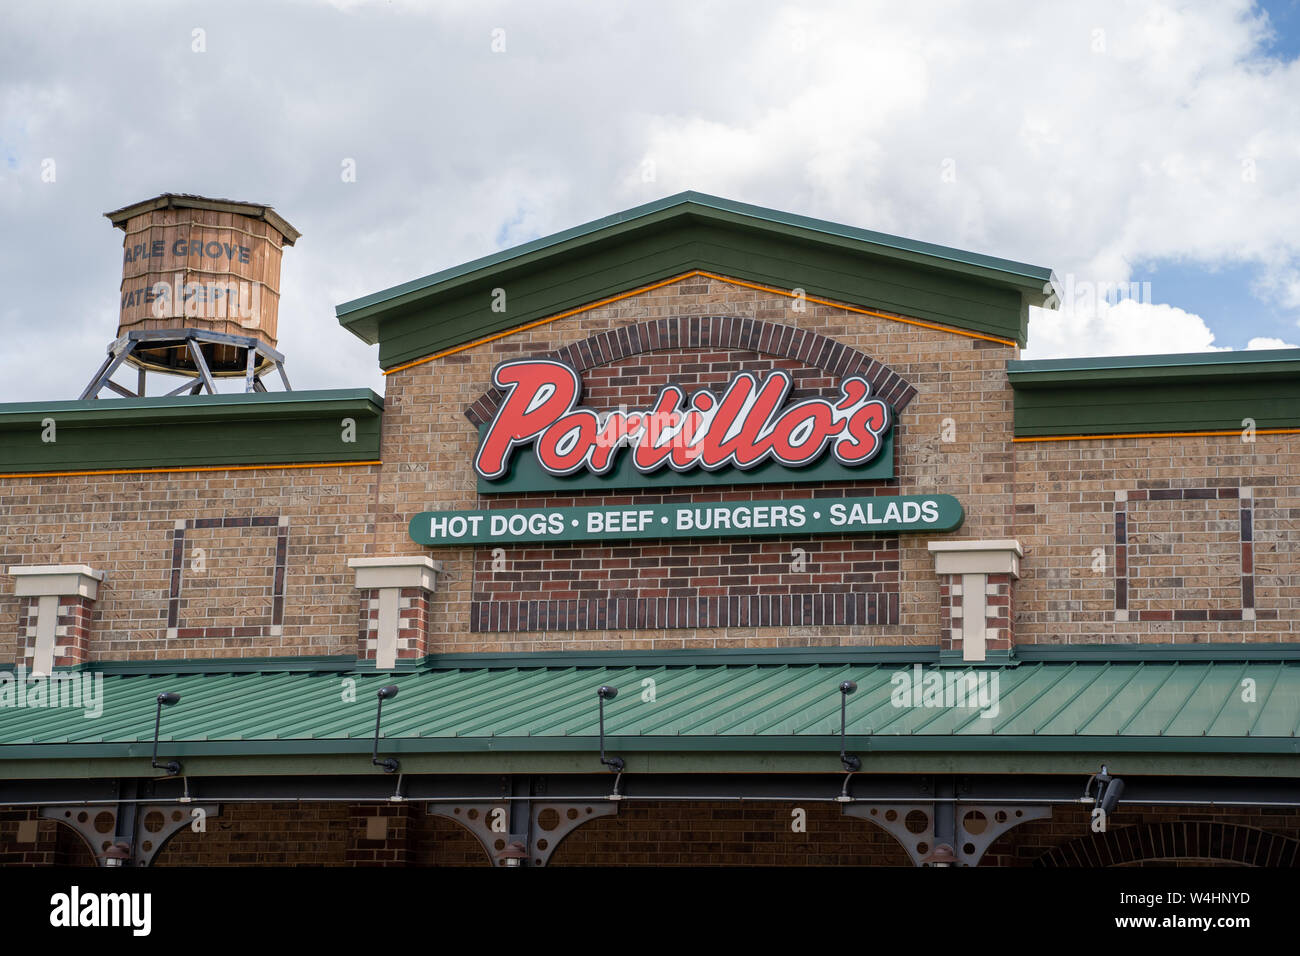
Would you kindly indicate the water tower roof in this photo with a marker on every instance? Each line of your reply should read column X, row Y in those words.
column 118, row 217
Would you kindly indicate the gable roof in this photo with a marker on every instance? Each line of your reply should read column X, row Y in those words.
column 691, row 231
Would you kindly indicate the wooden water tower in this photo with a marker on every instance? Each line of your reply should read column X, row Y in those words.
column 200, row 293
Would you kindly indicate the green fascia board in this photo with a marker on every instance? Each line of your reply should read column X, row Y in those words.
column 319, row 663
column 200, row 430
column 442, row 321
column 1075, row 763
column 1156, row 393
column 692, row 657
column 693, row 231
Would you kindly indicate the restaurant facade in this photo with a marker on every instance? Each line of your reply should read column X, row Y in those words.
column 700, row 534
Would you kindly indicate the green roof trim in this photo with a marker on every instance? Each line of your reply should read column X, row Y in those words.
column 697, row 657
column 1191, row 708
column 1214, row 391
column 192, row 430
column 689, row 231
column 825, row 761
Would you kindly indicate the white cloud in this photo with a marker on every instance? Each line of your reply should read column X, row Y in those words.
column 1128, row 327
column 1266, row 343
column 1168, row 135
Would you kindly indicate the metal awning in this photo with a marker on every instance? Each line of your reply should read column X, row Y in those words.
column 1223, row 707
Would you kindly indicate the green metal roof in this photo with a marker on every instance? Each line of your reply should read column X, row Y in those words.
column 690, row 230
column 1192, row 707
column 1037, row 274
column 1029, row 372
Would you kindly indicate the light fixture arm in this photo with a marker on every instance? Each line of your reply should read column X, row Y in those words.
column 615, row 764
column 389, row 764
column 850, row 762
column 172, row 767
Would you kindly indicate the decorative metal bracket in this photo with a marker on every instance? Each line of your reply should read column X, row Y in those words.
column 157, row 823
column 548, row 824
column 978, row 825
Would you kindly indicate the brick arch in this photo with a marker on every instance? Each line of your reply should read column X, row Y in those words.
column 718, row 332
column 1202, row 841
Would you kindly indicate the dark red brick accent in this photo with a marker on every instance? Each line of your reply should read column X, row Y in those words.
column 175, row 600
column 665, row 584
column 368, row 623
column 999, row 612
column 412, row 623
column 949, row 626
column 1123, row 536
column 703, row 332
column 75, row 613
column 630, row 613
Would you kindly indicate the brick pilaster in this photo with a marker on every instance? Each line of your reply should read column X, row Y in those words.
column 57, row 613
column 393, row 622
column 976, row 595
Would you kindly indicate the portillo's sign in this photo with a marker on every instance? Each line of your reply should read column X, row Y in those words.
column 542, row 439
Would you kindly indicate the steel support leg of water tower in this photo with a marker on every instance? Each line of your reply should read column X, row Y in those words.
column 118, row 352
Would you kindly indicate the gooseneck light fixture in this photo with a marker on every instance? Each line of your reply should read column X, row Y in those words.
column 850, row 762
column 389, row 764
column 172, row 767
column 604, row 693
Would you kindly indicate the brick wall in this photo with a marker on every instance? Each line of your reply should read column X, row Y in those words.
column 689, row 584
column 125, row 526
column 1158, row 539
column 961, row 393
column 1191, row 567
column 28, row 840
column 752, row 834
column 268, row 834
column 679, row 833
column 1164, row 836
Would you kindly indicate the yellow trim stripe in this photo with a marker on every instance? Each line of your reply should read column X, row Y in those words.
column 689, row 275
column 157, row 471
column 1233, row 431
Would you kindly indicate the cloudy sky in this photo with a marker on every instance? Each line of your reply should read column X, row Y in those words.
column 1153, row 145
